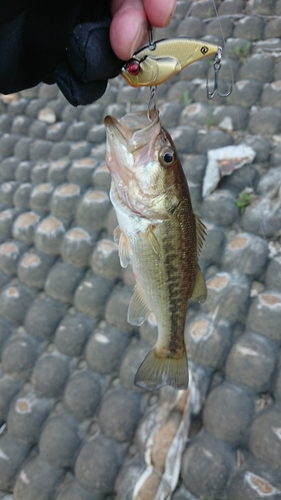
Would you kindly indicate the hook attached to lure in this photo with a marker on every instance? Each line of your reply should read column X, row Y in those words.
column 159, row 60
column 217, row 67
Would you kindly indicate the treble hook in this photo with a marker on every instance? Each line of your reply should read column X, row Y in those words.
column 217, row 67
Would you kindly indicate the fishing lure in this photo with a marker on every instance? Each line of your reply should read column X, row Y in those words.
column 162, row 59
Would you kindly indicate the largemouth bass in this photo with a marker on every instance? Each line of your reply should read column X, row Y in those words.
column 159, row 235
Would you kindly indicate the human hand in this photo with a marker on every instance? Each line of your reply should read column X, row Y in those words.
column 74, row 44
column 128, row 30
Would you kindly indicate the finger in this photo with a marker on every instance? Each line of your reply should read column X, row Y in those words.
column 159, row 12
column 128, row 30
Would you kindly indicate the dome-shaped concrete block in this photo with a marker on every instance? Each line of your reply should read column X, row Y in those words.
column 119, row 414
column 42, row 480
column 49, row 235
column 34, row 267
column 64, row 201
column 62, row 281
column 105, row 260
column 40, row 197
column 246, row 253
column 73, row 333
column 81, row 171
column 43, row 317
column 59, row 441
column 83, row 394
column 91, row 295
column 264, row 315
column 76, row 247
column 10, row 253
column 252, row 362
column 50, row 375
column 12, row 456
column 26, row 417
column 22, row 194
column 15, row 301
column 19, row 355
column 105, row 349
column 25, row 226
column 92, row 210
column 228, row 295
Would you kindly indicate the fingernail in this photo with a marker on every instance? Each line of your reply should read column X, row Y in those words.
column 140, row 37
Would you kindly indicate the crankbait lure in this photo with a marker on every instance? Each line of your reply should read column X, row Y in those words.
column 158, row 61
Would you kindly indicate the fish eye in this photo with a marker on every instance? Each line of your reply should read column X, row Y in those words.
column 166, row 157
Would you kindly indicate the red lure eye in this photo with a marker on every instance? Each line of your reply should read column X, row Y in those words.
column 133, row 68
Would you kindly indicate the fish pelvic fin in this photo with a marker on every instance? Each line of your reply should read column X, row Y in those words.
column 200, row 290
column 124, row 250
column 156, row 371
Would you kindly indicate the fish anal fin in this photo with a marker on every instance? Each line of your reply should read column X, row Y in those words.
column 200, row 290
column 124, row 250
column 152, row 240
column 156, row 371
column 201, row 232
column 138, row 310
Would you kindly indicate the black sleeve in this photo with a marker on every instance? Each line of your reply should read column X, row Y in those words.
column 63, row 41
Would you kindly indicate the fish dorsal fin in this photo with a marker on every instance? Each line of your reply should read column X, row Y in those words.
column 201, row 232
column 152, row 240
column 124, row 250
column 200, row 290
column 138, row 310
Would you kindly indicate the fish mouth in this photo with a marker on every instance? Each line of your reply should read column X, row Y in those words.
column 134, row 130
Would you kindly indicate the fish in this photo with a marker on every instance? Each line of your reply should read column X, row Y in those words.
column 160, row 236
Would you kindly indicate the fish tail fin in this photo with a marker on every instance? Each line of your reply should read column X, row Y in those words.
column 156, row 371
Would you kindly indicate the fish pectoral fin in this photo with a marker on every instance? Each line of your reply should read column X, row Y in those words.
column 152, row 240
column 138, row 310
column 117, row 234
column 201, row 232
column 124, row 250
column 200, row 290
column 156, row 371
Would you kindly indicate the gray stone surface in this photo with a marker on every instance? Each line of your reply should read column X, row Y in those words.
column 97, row 465
column 62, row 281
column 116, row 423
column 105, row 348
column 37, row 479
column 50, row 375
column 72, row 333
column 59, row 441
column 208, row 341
column 228, row 412
column 27, row 416
column 43, row 317
column 264, row 439
column 13, row 454
column 83, row 394
column 252, row 361
column 206, row 465
column 19, row 355
column 246, row 253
